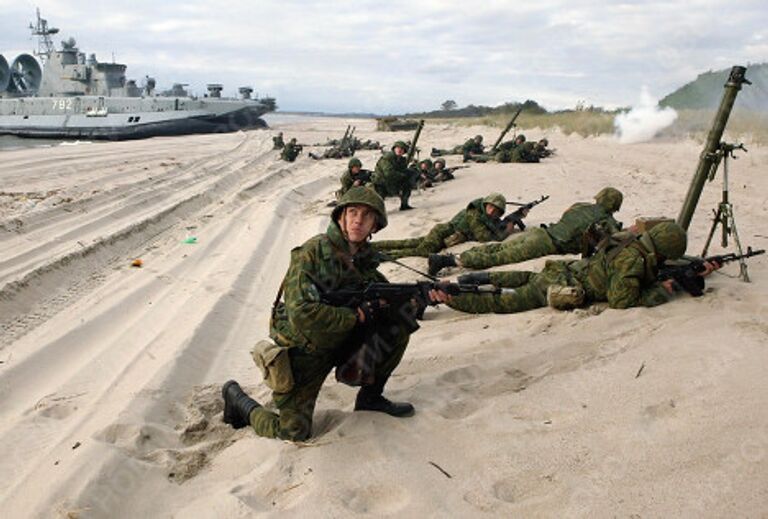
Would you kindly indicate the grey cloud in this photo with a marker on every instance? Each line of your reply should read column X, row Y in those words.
column 402, row 55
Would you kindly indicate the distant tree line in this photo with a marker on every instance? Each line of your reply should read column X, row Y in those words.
column 450, row 108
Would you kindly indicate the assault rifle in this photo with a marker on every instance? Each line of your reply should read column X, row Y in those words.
column 400, row 295
column 406, row 301
column 454, row 168
column 686, row 277
column 516, row 217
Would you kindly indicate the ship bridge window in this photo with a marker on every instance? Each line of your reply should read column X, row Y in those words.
column 130, row 119
column 137, row 118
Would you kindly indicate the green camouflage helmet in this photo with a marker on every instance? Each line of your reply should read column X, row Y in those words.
column 669, row 240
column 441, row 161
column 428, row 162
column 478, row 138
column 354, row 162
column 520, row 138
column 610, row 198
column 400, row 144
column 364, row 196
column 496, row 200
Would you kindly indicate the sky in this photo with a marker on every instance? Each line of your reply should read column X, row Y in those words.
column 401, row 56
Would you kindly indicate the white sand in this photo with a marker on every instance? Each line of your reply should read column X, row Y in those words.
column 536, row 414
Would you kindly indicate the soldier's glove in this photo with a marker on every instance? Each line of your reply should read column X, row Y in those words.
column 475, row 278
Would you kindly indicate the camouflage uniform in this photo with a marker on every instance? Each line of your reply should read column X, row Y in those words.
column 348, row 178
column 526, row 152
column 320, row 336
column 564, row 237
column 470, row 224
column 392, row 176
column 442, row 174
column 624, row 274
column 277, row 142
column 425, row 174
column 503, row 152
column 291, row 151
column 471, row 146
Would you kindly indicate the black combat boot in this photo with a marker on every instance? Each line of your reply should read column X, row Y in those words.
column 369, row 398
column 237, row 405
column 437, row 262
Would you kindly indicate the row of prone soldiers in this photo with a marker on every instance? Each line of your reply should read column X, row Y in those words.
column 394, row 176
column 618, row 266
column 339, row 148
column 515, row 150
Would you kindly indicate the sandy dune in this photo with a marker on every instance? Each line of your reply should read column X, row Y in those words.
column 110, row 374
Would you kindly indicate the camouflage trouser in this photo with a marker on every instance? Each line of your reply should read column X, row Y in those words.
column 529, row 291
column 532, row 243
column 456, row 150
column 423, row 246
column 293, row 421
column 400, row 186
column 480, row 157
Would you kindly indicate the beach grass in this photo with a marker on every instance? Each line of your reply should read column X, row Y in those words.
column 742, row 125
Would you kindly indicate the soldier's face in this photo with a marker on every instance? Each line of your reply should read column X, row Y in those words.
column 438, row 166
column 492, row 211
column 399, row 151
column 355, row 170
column 359, row 222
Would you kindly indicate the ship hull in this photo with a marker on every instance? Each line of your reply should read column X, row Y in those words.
column 111, row 119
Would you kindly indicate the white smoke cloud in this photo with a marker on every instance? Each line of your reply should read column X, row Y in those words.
column 644, row 121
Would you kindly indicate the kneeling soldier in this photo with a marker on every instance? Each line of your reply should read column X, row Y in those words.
column 311, row 338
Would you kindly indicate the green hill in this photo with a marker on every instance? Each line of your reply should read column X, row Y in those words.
column 706, row 91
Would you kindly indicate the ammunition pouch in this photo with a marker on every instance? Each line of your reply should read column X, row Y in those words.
column 562, row 297
column 275, row 365
column 455, row 239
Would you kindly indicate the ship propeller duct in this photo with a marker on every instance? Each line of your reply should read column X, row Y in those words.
column 26, row 75
column 5, row 74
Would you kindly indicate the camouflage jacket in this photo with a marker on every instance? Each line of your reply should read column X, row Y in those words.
column 391, row 170
column 476, row 225
column 625, row 276
column 524, row 153
column 568, row 232
column 290, row 152
column 348, row 180
column 472, row 147
column 322, row 263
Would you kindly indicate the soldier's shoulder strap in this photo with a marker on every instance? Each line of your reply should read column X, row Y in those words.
column 618, row 242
